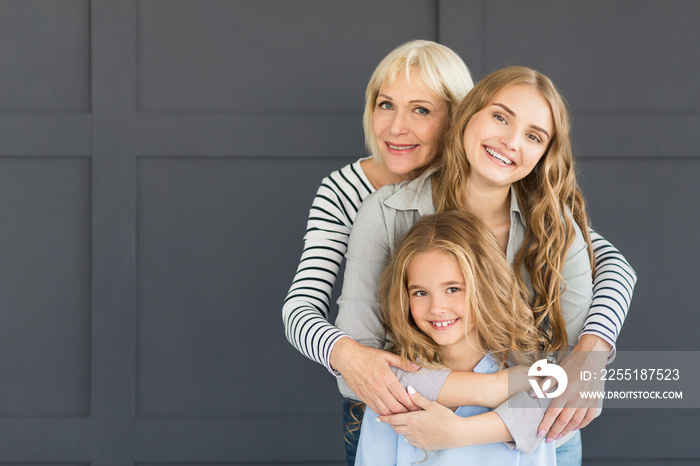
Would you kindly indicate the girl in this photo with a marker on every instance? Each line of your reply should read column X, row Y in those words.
column 449, row 299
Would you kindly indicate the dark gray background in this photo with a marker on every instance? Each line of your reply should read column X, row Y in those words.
column 157, row 162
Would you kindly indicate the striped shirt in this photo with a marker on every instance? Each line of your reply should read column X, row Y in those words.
column 306, row 308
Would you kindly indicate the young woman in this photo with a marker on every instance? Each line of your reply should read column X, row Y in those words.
column 416, row 82
column 450, row 300
column 508, row 161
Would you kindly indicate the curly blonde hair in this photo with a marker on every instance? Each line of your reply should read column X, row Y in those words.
column 549, row 197
column 502, row 323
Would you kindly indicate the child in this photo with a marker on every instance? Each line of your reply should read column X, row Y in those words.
column 449, row 299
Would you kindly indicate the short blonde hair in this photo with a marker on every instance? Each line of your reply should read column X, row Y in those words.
column 434, row 65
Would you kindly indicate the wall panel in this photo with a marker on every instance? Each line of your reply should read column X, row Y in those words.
column 643, row 206
column 45, row 55
column 219, row 56
column 602, row 54
column 45, row 287
column 211, row 232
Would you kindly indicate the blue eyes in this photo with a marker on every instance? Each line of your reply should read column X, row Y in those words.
column 422, row 111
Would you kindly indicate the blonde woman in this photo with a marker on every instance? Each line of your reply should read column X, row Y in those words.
column 508, row 161
column 450, row 300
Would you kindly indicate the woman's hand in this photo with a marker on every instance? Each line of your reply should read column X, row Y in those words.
column 367, row 372
column 568, row 411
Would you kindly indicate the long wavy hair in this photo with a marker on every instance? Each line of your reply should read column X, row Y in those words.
column 500, row 318
column 549, row 197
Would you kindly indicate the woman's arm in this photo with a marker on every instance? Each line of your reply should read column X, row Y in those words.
column 489, row 390
column 613, row 285
column 437, row 427
column 453, row 389
column 366, row 371
column 306, row 308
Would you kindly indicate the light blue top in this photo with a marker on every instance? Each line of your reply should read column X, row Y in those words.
column 380, row 445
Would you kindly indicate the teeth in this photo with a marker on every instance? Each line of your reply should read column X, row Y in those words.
column 496, row 155
column 445, row 323
column 403, row 147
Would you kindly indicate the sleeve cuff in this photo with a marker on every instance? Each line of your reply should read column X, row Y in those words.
column 522, row 414
column 327, row 356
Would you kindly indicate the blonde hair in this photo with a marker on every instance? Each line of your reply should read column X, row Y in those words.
column 502, row 323
column 548, row 197
column 432, row 64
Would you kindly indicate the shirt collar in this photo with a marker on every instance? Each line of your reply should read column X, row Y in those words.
column 414, row 195
column 418, row 195
column 515, row 208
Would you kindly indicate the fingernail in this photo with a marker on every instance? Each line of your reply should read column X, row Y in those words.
column 404, row 439
column 377, row 419
column 548, row 440
column 411, row 390
column 415, row 366
column 575, row 429
column 559, row 436
column 541, row 433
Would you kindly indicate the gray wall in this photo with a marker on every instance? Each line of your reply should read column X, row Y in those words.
column 157, row 162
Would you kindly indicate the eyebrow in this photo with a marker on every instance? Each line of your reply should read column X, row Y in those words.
column 450, row 283
column 511, row 112
column 410, row 101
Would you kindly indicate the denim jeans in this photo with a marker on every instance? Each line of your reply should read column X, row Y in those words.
column 351, row 428
column 570, row 454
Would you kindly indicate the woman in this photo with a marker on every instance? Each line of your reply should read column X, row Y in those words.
column 507, row 161
column 437, row 70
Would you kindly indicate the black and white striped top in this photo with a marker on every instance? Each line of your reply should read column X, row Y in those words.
column 306, row 308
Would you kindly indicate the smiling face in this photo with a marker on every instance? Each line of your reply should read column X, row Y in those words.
column 505, row 140
column 408, row 122
column 438, row 298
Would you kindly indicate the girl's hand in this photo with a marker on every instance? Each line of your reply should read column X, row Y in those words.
column 367, row 372
column 433, row 428
column 437, row 427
